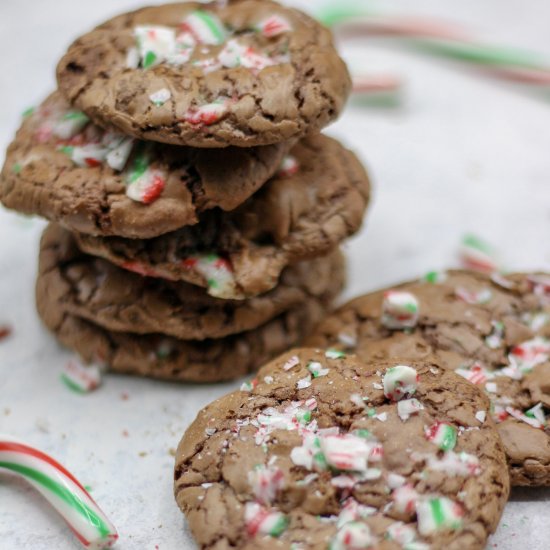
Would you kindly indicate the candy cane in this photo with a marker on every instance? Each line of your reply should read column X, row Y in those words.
column 441, row 39
column 62, row 490
column 381, row 85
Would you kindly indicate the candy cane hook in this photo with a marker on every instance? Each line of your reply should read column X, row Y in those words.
column 61, row 489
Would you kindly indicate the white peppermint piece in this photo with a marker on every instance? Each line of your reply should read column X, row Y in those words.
column 303, row 383
column 160, row 97
column 481, row 416
column 118, row 155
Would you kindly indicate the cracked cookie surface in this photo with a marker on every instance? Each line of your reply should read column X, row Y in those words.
column 318, row 200
column 117, row 300
column 495, row 332
column 243, row 73
column 64, row 168
column 324, row 450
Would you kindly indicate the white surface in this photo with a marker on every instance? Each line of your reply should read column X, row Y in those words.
column 463, row 154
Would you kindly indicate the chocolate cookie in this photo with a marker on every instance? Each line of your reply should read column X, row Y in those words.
column 63, row 167
column 306, row 211
column 495, row 332
column 167, row 358
column 118, row 300
column 325, row 451
column 244, row 72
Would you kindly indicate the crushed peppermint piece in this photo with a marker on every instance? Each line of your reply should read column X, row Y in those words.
column 334, row 354
column 443, row 435
column 399, row 310
column 536, row 320
column 274, row 25
column 495, row 340
column 155, row 44
column 69, row 124
column 304, row 382
column 537, row 413
column 356, row 399
column 525, row 357
column 477, row 255
column 435, row 277
column 207, row 114
column 395, row 480
column 218, row 273
column 438, row 513
column 266, row 482
column 81, row 378
column 346, row 452
column 249, row 386
column 291, row 363
column 347, row 339
column 524, row 417
column 353, row 535
column 481, row 416
column 400, row 381
column 455, row 464
column 316, row 369
column 160, row 97
column 407, row 407
column 476, row 373
column 405, row 499
column 289, row 167
column 264, row 521
column 483, row 296
column 205, row 27
column 401, row 533
column 234, row 54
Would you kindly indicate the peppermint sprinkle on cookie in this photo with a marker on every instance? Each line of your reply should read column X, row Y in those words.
column 399, row 310
column 160, row 97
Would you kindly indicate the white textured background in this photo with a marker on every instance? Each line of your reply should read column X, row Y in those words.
column 463, row 153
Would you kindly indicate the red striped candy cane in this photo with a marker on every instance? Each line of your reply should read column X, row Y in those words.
column 62, row 490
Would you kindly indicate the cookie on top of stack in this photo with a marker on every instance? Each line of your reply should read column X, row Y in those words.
column 196, row 209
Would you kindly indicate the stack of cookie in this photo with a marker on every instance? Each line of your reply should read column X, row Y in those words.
column 196, row 210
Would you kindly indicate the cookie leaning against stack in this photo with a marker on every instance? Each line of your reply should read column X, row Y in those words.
column 494, row 331
column 197, row 210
